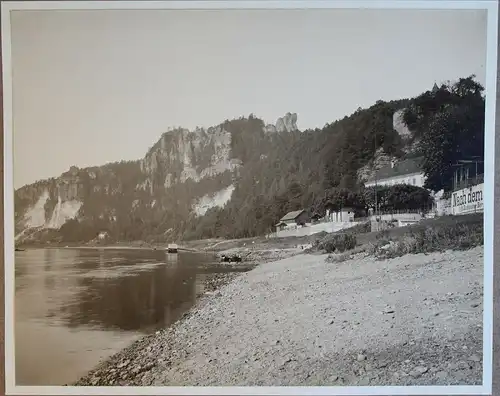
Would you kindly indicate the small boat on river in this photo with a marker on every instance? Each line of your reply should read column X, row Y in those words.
column 172, row 248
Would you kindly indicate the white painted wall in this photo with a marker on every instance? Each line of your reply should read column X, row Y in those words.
column 314, row 229
column 397, row 220
column 414, row 179
column 405, row 217
column 340, row 216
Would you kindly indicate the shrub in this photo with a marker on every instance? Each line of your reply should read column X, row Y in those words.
column 361, row 228
column 339, row 243
column 454, row 236
column 383, row 234
column 347, row 255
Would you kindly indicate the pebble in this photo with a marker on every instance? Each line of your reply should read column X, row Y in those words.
column 463, row 365
column 361, row 357
column 382, row 364
column 124, row 364
column 364, row 381
column 475, row 358
column 418, row 371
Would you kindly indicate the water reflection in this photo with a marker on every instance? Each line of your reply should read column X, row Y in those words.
column 71, row 296
column 114, row 289
column 133, row 301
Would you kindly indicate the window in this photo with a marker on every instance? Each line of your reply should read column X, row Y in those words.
column 414, row 181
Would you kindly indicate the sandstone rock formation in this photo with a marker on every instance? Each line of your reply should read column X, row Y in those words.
column 287, row 123
column 399, row 125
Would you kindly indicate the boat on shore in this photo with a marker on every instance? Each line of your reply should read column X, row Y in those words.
column 235, row 258
column 172, row 248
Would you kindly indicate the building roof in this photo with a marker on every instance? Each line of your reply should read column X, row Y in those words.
column 331, row 205
column 401, row 168
column 292, row 215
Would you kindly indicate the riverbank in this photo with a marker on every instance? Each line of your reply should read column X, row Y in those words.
column 303, row 320
column 119, row 368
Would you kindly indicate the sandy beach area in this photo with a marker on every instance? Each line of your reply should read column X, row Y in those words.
column 298, row 319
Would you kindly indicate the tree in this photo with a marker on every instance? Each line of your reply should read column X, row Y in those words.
column 449, row 123
column 398, row 197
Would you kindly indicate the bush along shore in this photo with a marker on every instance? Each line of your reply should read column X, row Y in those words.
column 349, row 312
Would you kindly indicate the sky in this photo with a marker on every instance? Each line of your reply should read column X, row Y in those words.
column 91, row 87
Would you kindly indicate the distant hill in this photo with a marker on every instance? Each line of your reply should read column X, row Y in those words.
column 235, row 179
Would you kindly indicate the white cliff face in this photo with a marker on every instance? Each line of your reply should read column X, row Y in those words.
column 381, row 159
column 401, row 128
column 219, row 199
column 35, row 216
column 287, row 123
column 183, row 149
column 63, row 212
column 220, row 160
column 399, row 125
column 183, row 155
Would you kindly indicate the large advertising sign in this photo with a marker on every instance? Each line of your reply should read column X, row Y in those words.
column 468, row 200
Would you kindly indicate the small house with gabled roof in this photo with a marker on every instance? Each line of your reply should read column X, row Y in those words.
column 295, row 218
column 408, row 171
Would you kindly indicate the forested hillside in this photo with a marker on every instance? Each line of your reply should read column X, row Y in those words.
column 259, row 172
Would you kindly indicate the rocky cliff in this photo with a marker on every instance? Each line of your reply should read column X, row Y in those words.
column 242, row 164
column 185, row 172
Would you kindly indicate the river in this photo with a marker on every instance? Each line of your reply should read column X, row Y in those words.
column 75, row 307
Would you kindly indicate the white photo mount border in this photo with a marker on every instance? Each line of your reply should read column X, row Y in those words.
column 491, row 326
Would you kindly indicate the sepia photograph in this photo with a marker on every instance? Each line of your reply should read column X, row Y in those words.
column 241, row 194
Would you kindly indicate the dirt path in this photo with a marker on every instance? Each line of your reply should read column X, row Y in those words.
column 413, row 320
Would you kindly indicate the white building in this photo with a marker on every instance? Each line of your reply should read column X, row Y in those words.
column 343, row 215
column 401, row 172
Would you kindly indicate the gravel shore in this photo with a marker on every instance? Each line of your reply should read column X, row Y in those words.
column 413, row 320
